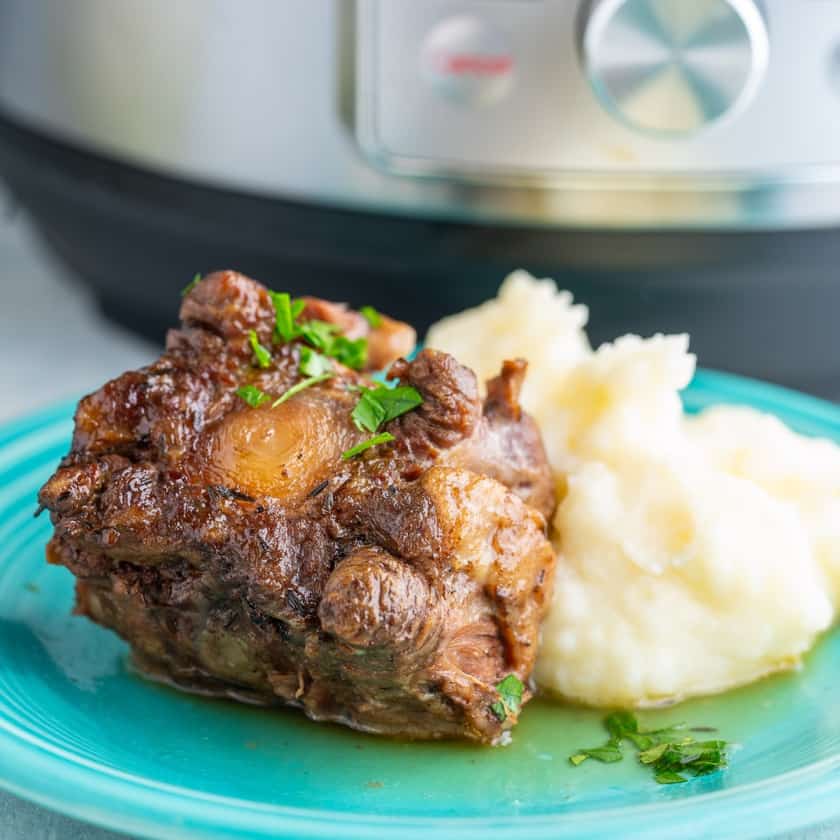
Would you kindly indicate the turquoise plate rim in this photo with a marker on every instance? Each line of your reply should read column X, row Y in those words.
column 54, row 778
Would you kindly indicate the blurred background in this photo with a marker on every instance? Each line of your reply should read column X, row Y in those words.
column 675, row 163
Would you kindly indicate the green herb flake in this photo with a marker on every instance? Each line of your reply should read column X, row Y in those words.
column 510, row 690
column 652, row 754
column 670, row 752
column 669, row 777
column 191, row 285
column 398, row 401
column 320, row 334
column 621, row 724
column 385, row 437
column 252, row 395
column 286, row 313
column 368, row 413
column 377, row 406
column 510, row 697
column 323, row 336
column 608, row 754
column 350, row 352
column 312, row 363
column 301, row 386
column 371, row 316
column 261, row 354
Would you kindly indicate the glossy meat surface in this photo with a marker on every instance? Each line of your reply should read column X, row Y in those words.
column 241, row 555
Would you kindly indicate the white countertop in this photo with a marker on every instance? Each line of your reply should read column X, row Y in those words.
column 54, row 344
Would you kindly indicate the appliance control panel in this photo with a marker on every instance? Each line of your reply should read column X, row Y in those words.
column 559, row 88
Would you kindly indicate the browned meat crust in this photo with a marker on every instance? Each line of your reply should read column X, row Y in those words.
column 240, row 555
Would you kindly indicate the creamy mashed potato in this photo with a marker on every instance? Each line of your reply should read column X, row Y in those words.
column 696, row 553
column 527, row 314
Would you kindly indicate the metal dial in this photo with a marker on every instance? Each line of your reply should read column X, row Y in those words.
column 673, row 66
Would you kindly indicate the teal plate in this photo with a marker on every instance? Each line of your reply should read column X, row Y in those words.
column 80, row 733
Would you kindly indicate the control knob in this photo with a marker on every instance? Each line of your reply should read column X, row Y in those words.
column 672, row 67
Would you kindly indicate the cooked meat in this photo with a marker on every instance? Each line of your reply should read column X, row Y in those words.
column 241, row 555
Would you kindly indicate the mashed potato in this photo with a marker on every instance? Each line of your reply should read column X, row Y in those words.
column 696, row 554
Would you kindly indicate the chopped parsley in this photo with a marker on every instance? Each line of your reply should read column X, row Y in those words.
column 261, row 354
column 376, row 406
column 368, row 413
column 323, row 341
column 313, row 366
column 302, row 386
column 312, row 363
column 252, row 395
column 385, row 437
column 610, row 752
column 670, row 760
column 192, row 284
column 323, row 336
column 371, row 316
column 350, row 352
column 320, row 335
column 671, row 753
column 510, row 697
column 286, row 313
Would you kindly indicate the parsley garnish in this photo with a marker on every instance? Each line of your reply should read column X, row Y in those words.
column 192, row 284
column 368, row 413
column 376, row 406
column 312, row 363
column 262, row 355
column 671, row 753
column 385, row 437
column 610, row 752
column 321, row 335
column 315, row 367
column 252, row 395
column 301, row 386
column 350, row 352
column 510, row 697
column 286, row 313
column 371, row 316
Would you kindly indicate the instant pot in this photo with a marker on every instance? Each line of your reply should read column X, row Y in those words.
column 675, row 163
